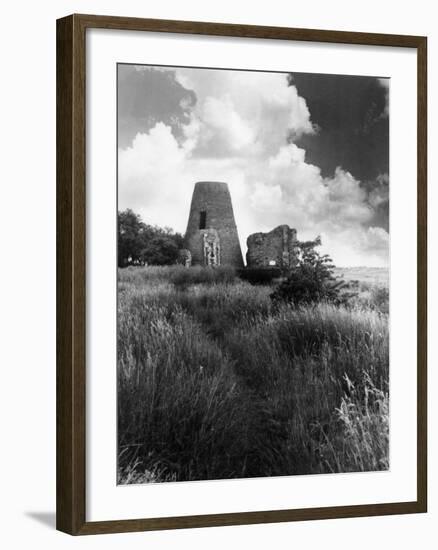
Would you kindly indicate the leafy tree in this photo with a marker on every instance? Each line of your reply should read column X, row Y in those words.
column 129, row 246
column 312, row 280
column 160, row 249
column 140, row 244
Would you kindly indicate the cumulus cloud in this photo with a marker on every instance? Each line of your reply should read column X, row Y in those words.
column 237, row 131
column 379, row 190
column 244, row 112
column 147, row 95
column 225, row 132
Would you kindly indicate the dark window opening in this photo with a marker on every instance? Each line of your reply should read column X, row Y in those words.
column 202, row 219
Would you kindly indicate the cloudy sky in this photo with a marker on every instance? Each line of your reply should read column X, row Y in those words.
column 307, row 150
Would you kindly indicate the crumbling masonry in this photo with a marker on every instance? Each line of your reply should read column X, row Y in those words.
column 277, row 248
column 211, row 236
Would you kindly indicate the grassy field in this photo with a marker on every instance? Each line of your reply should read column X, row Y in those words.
column 214, row 381
column 366, row 275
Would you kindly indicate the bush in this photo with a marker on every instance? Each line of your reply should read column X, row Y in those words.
column 312, row 280
column 259, row 275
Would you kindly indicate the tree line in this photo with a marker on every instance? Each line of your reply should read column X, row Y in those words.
column 143, row 244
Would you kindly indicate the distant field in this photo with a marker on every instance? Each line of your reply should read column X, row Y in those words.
column 371, row 275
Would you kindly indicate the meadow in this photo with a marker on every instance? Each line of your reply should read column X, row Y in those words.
column 217, row 381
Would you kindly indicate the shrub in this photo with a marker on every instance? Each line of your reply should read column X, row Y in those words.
column 259, row 275
column 312, row 280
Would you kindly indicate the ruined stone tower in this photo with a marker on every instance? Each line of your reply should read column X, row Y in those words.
column 211, row 235
column 278, row 248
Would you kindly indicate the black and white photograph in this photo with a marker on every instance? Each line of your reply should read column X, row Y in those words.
column 217, row 294
column 252, row 274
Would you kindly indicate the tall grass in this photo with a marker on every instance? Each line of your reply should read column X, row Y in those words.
column 177, row 274
column 214, row 382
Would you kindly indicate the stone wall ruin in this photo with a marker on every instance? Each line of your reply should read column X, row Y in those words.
column 278, row 248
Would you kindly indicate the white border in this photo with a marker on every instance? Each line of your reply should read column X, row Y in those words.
column 107, row 501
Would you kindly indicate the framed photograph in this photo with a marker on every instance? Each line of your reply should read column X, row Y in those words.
column 241, row 274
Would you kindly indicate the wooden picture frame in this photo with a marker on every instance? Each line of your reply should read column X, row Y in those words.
column 71, row 274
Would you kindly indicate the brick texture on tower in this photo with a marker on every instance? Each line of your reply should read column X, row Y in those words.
column 211, row 235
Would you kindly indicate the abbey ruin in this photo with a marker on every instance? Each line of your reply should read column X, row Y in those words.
column 211, row 237
column 278, row 248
